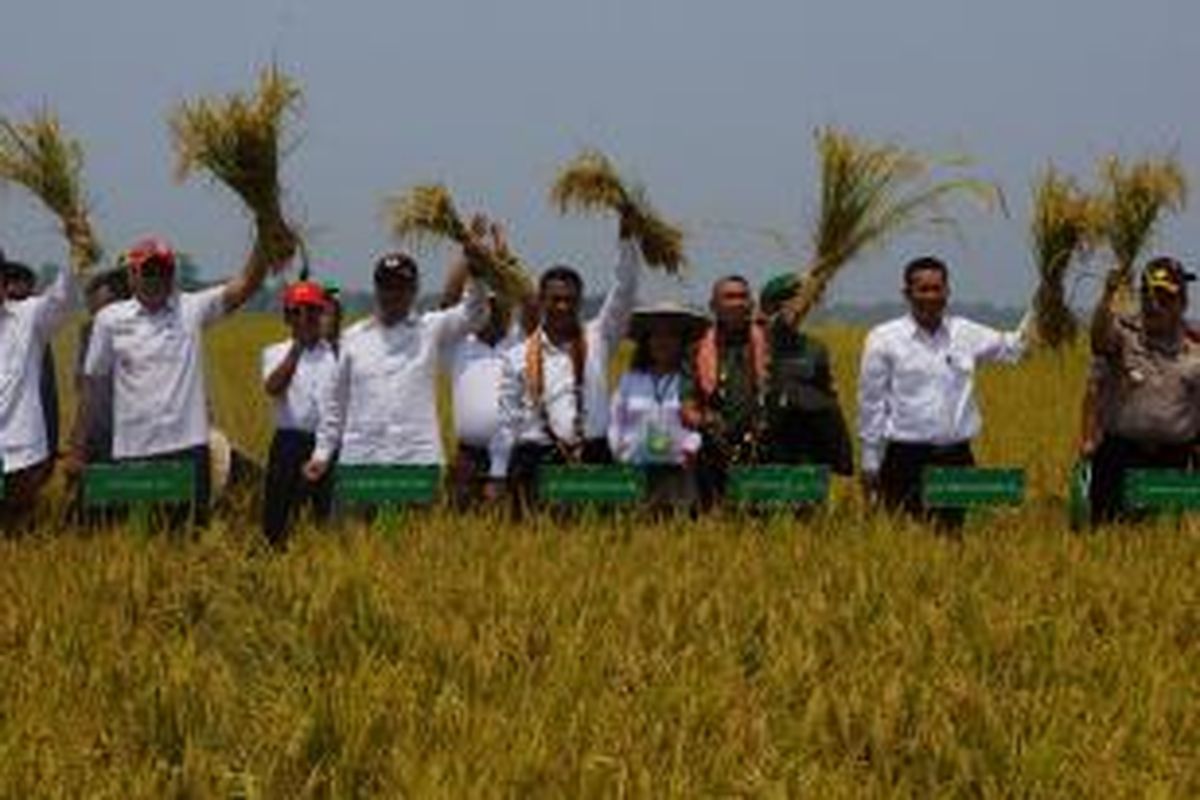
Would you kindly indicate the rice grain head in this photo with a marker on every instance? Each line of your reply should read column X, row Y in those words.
column 39, row 156
column 238, row 140
column 1136, row 196
column 870, row 193
column 590, row 183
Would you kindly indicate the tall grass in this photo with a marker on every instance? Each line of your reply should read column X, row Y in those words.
column 840, row 655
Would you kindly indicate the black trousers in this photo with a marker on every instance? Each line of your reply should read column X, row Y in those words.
column 471, row 468
column 527, row 459
column 1117, row 455
column 287, row 490
column 901, row 477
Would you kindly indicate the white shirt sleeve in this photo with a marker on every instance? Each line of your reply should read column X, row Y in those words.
column 874, row 384
column 207, row 305
column 619, row 435
column 99, row 358
column 613, row 319
column 53, row 304
column 1005, row 347
column 272, row 357
column 511, row 407
column 334, row 399
column 454, row 323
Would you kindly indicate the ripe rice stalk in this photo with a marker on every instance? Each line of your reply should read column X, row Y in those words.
column 1136, row 196
column 39, row 156
column 869, row 193
column 427, row 213
column 1066, row 222
column 590, row 183
column 237, row 140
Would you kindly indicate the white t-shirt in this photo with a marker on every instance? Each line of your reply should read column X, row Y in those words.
column 310, row 391
column 25, row 328
column 475, row 368
column 157, row 364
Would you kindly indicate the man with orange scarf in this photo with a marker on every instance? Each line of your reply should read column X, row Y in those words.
column 724, row 398
column 554, row 396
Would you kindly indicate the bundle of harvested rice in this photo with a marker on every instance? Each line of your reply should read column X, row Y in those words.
column 427, row 213
column 237, row 140
column 1136, row 196
column 591, row 183
column 40, row 157
column 1066, row 222
column 869, row 193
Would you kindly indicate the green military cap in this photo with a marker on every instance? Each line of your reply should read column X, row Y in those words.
column 777, row 291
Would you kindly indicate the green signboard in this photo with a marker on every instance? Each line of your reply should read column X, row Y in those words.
column 139, row 483
column 587, row 484
column 387, row 485
column 1162, row 489
column 972, row 487
column 779, row 485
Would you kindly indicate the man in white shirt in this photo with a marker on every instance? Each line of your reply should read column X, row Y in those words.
column 298, row 375
column 21, row 283
column 554, row 397
column 153, row 346
column 385, row 399
column 26, row 329
column 916, row 391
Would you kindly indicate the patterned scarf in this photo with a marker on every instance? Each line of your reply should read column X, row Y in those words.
column 535, row 383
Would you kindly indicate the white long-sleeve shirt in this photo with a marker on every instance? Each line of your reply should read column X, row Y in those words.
column 308, row 395
column 644, row 423
column 157, row 363
column 384, row 406
column 25, row 328
column 919, row 387
column 520, row 418
column 475, row 369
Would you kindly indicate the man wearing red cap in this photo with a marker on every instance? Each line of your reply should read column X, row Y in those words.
column 152, row 344
column 298, row 375
column 26, row 327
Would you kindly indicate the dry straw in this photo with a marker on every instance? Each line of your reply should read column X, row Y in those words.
column 427, row 213
column 869, row 193
column 1136, row 197
column 237, row 140
column 590, row 183
column 1066, row 222
column 40, row 157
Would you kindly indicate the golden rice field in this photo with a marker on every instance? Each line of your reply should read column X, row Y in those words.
column 845, row 655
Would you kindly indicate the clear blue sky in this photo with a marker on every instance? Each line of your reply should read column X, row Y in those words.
column 712, row 104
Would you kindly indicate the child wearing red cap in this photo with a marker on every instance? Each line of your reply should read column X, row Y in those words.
column 298, row 374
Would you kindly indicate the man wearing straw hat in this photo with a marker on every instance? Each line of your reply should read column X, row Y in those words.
column 804, row 423
column 384, row 410
column 916, row 390
column 645, row 423
column 152, row 346
column 724, row 398
column 554, row 393
column 26, row 328
column 1147, row 372
column 298, row 375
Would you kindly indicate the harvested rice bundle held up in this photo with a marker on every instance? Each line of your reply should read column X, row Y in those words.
column 591, row 183
column 1066, row 222
column 869, row 193
column 427, row 213
column 1136, row 196
column 237, row 140
column 39, row 156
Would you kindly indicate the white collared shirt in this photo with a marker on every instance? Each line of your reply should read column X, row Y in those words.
column 475, row 368
column 521, row 420
column 919, row 387
column 157, row 363
column 26, row 326
column 645, row 425
column 385, row 400
column 306, row 400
